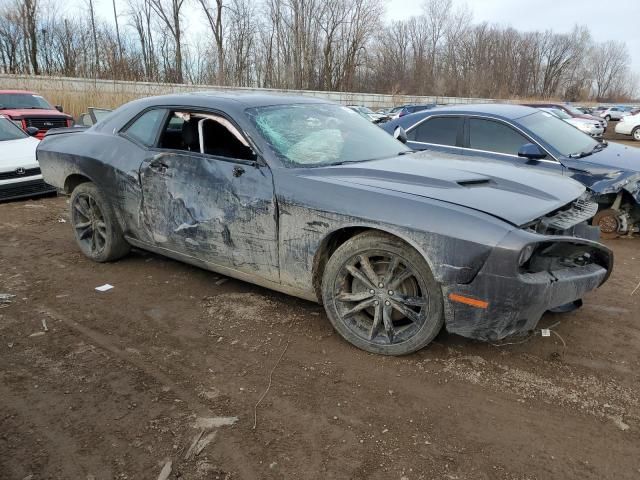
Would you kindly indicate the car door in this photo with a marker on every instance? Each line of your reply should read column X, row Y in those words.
column 439, row 133
column 495, row 139
column 204, row 200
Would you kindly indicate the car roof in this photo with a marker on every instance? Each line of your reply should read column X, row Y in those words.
column 504, row 110
column 17, row 91
column 231, row 98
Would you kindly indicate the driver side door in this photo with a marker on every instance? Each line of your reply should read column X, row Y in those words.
column 206, row 199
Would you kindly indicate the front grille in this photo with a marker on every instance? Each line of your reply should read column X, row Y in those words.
column 28, row 172
column 579, row 211
column 25, row 189
column 43, row 123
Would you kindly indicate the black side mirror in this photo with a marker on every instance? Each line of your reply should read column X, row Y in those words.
column 400, row 134
column 531, row 151
column 59, row 108
column 33, row 131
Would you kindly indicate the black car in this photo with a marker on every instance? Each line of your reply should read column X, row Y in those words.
column 532, row 138
column 309, row 198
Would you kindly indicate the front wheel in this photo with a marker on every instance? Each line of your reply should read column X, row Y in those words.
column 95, row 226
column 608, row 118
column 636, row 134
column 380, row 295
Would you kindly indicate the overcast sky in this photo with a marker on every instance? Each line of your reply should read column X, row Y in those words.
column 607, row 20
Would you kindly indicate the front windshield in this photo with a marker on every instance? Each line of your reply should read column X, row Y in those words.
column 560, row 113
column 562, row 137
column 19, row 101
column 315, row 134
column 8, row 131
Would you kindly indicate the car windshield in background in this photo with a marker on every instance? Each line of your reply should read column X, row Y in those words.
column 322, row 134
column 564, row 138
column 19, row 101
column 573, row 110
column 8, row 131
column 100, row 114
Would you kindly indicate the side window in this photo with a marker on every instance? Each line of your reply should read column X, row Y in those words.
column 439, row 131
column 496, row 137
column 145, row 128
column 204, row 133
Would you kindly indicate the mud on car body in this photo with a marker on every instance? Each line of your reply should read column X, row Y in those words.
column 308, row 198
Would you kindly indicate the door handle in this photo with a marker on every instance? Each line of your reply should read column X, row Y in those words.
column 159, row 166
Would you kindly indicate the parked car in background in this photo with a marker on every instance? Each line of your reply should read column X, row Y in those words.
column 535, row 139
column 571, row 110
column 19, row 170
column 91, row 116
column 585, row 110
column 27, row 109
column 614, row 113
column 313, row 200
column 590, row 127
column 403, row 110
column 629, row 125
column 369, row 114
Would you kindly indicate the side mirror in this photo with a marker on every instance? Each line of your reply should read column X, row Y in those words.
column 531, row 151
column 32, row 131
column 59, row 108
column 400, row 134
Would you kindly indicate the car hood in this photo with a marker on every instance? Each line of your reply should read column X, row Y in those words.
column 609, row 170
column 33, row 112
column 514, row 194
column 18, row 153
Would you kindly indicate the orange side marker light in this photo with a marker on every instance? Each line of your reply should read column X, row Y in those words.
column 454, row 297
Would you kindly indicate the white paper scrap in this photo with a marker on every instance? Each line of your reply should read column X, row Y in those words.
column 104, row 288
column 546, row 332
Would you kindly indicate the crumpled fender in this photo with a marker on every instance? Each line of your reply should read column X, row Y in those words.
column 609, row 181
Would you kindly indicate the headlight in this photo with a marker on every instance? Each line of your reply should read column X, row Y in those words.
column 525, row 254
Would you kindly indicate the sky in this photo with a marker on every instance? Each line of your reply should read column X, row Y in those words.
column 614, row 20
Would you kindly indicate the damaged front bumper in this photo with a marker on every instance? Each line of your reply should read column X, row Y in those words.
column 521, row 280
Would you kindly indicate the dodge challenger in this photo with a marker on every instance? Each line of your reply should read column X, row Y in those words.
column 309, row 198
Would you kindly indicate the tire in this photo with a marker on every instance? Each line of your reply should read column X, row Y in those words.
column 608, row 220
column 608, row 118
column 635, row 134
column 383, row 312
column 95, row 227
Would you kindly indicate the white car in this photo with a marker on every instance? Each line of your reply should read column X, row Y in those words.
column 590, row 127
column 19, row 170
column 614, row 113
column 629, row 125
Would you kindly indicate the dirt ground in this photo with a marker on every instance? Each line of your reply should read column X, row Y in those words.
column 124, row 381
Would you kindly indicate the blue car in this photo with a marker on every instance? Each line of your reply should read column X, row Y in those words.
column 532, row 138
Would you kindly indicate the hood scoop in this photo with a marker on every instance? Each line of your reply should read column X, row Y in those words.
column 474, row 183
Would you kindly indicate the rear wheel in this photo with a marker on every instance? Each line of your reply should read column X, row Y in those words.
column 636, row 134
column 608, row 118
column 95, row 226
column 380, row 295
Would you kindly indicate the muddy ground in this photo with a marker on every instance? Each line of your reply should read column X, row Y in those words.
column 124, row 381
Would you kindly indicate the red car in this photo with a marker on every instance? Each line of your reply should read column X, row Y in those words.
column 28, row 109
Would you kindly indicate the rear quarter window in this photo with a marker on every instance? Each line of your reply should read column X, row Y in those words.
column 145, row 128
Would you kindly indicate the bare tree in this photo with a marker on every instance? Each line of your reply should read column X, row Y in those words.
column 169, row 14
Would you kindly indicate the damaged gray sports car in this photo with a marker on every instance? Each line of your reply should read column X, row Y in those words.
column 308, row 198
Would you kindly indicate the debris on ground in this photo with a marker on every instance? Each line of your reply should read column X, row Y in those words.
column 44, row 325
column 209, row 423
column 36, row 334
column 104, row 288
column 166, row 471
column 221, row 281
column 618, row 421
column 6, row 298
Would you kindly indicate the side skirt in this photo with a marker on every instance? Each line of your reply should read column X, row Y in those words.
column 230, row 272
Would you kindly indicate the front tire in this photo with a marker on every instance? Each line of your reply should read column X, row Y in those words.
column 636, row 134
column 380, row 295
column 96, row 229
column 608, row 118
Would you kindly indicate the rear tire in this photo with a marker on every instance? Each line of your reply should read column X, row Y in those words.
column 380, row 295
column 635, row 134
column 95, row 226
column 608, row 118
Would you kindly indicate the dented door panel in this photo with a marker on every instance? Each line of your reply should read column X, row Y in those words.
column 201, row 206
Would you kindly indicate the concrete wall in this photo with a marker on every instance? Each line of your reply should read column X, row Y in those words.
column 68, row 92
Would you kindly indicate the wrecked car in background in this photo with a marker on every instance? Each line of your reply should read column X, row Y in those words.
column 309, row 198
column 529, row 137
